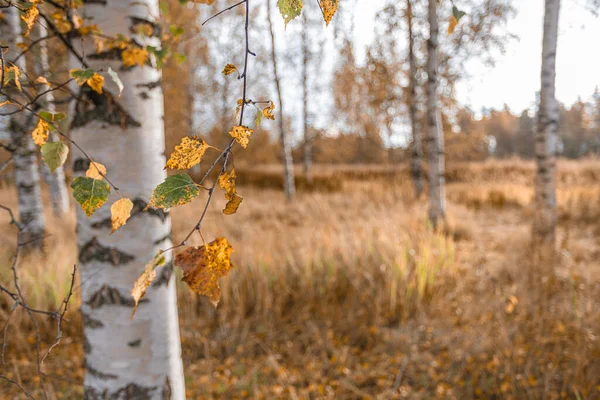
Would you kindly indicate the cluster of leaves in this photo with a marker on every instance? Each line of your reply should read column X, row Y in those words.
column 291, row 9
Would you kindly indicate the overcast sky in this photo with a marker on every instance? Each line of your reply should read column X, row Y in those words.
column 516, row 77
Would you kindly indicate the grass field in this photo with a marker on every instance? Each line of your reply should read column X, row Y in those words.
column 348, row 294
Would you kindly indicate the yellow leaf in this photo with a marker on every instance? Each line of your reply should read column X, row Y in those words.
column 95, row 170
column 96, row 82
column 133, row 56
column 233, row 204
column 329, row 8
column 30, row 17
column 230, row 69
column 241, row 134
column 188, row 153
column 120, row 212
column 268, row 112
column 61, row 22
column 12, row 73
column 143, row 282
column 40, row 133
column 43, row 80
column 227, row 181
column 452, row 23
column 203, row 266
column 4, row 103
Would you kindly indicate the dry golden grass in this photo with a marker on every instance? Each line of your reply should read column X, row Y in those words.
column 348, row 293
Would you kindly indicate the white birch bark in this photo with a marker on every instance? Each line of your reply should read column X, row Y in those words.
column 289, row 186
column 544, row 225
column 416, row 159
column 19, row 126
column 56, row 180
column 125, row 358
column 435, row 137
column 307, row 144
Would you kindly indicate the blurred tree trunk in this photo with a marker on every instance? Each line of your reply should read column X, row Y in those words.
column 24, row 151
column 416, row 159
column 544, row 224
column 289, row 185
column 435, row 138
column 140, row 357
column 56, row 180
column 307, row 140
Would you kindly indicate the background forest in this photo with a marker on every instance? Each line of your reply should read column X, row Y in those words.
column 393, row 241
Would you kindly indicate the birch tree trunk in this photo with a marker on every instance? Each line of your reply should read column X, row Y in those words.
column 289, row 185
column 307, row 140
column 544, row 224
column 416, row 158
column 56, row 181
column 20, row 125
column 435, row 138
column 125, row 358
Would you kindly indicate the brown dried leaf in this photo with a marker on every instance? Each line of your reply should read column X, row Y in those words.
column 143, row 282
column 203, row 266
column 120, row 212
column 188, row 153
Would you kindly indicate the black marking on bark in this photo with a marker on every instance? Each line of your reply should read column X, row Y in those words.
column 90, row 393
column 135, row 343
column 93, row 106
column 167, row 392
column 144, row 95
column 26, row 188
column 134, row 392
column 90, row 322
column 95, row 2
column 98, row 374
column 139, row 207
column 150, row 85
column 87, row 346
column 111, row 296
column 112, row 54
column 93, row 250
column 162, row 239
column 135, row 21
column 164, row 276
column 81, row 165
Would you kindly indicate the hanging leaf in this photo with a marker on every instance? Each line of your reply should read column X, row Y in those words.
column 5, row 103
column 258, row 118
column 289, row 9
column 96, row 82
column 458, row 14
column 43, row 80
column 452, row 23
column 176, row 190
column 241, row 134
column 12, row 73
column 40, row 133
column 133, row 56
column 54, row 154
column 268, row 111
column 52, row 117
column 30, row 16
column 329, row 8
column 143, row 282
column 95, row 170
column 81, row 76
column 116, row 79
column 230, row 69
column 90, row 193
column 233, row 204
column 203, row 266
column 120, row 212
column 188, row 153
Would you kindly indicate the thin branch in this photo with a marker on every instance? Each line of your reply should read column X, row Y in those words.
column 225, row 10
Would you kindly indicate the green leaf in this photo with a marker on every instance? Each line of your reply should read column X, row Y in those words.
column 176, row 190
column 175, row 30
column 458, row 14
column 54, row 154
column 113, row 75
column 258, row 118
column 289, row 9
column 90, row 193
column 52, row 117
column 160, row 54
column 81, row 75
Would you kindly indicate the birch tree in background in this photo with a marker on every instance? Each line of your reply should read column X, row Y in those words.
column 56, row 180
column 19, row 125
column 141, row 357
column 544, row 224
column 289, row 186
column 435, row 137
column 307, row 145
column 416, row 158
